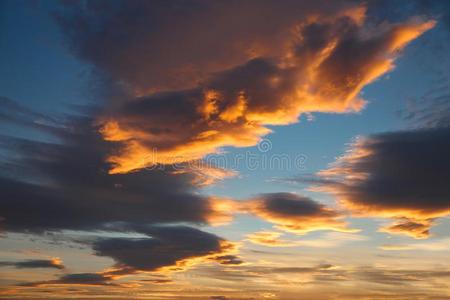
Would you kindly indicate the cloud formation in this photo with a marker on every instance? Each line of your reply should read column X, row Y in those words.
column 323, row 59
column 94, row 279
column 166, row 248
column 63, row 183
column 296, row 214
column 34, row 264
column 400, row 175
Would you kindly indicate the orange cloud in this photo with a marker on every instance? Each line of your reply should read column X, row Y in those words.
column 326, row 65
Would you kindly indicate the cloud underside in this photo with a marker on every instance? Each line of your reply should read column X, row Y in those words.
column 400, row 175
column 166, row 248
column 296, row 214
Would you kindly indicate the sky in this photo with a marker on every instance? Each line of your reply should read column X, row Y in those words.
column 224, row 150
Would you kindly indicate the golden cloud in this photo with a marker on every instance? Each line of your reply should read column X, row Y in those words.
column 326, row 65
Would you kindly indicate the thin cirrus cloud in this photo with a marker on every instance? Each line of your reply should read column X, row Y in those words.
column 327, row 240
column 321, row 63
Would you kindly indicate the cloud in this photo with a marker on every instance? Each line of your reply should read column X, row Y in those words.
column 63, row 183
column 34, row 264
column 399, row 175
column 166, row 248
column 325, row 56
column 296, row 214
column 77, row 279
column 158, row 45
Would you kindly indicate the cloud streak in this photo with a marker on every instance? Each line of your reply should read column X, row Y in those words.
column 34, row 264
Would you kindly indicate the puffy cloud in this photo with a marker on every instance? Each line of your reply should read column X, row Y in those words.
column 324, row 56
column 34, row 263
column 401, row 175
column 297, row 214
column 166, row 248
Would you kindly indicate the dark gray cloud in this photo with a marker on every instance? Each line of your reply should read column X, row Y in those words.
column 77, row 279
column 400, row 174
column 166, row 246
column 289, row 204
column 295, row 213
column 33, row 264
column 64, row 183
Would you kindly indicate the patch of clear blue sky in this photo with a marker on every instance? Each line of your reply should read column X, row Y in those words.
column 36, row 70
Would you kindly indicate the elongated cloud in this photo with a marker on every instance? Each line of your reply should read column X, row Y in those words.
column 270, row 239
column 401, row 175
column 321, row 63
column 34, row 263
column 296, row 214
column 94, row 279
column 166, row 248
